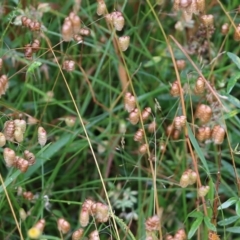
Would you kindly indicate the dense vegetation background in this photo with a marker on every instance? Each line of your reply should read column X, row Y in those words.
column 91, row 150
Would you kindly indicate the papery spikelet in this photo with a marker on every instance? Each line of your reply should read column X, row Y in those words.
column 169, row 237
column 176, row 134
column 200, row 5
column 213, row 236
column 77, row 235
column 3, row 84
column 88, row 204
column 34, row 26
column 199, row 86
column 2, row 139
column 152, row 223
column 179, row 122
column 138, row 136
column 22, row 214
column 28, row 52
column 69, row 65
column 207, row 20
column 181, row 234
column 9, row 157
column 35, row 45
column 67, row 30
column 185, row 3
column 18, row 134
column 236, row 35
column 70, row 121
column 84, row 216
column 169, row 130
column 30, row 157
column 200, row 134
column 204, row 113
column 28, row 195
column 94, row 235
column 26, row 21
column 134, row 116
column 9, row 128
column 175, row 89
column 185, row 179
column 181, row 64
column 20, row 123
column 218, row 134
column 63, row 225
column 21, row 164
column 102, row 212
column 42, row 136
column 101, row 7
column 76, row 22
column 203, row 190
column 152, row 127
column 143, row 148
column 146, row 113
column 192, row 177
column 40, row 224
column 124, row 42
column 225, row 29
column 85, row 32
column 129, row 102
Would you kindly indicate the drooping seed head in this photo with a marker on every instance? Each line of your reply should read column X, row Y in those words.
column 63, row 225
column 199, row 86
column 152, row 127
column 146, row 113
column 94, row 235
column 118, row 20
column 152, row 223
column 192, row 177
column 207, row 20
column 101, row 212
column 179, row 122
column 30, row 157
column 40, row 224
column 101, row 8
column 20, row 123
column 69, row 65
column 181, row 64
column 85, row 32
column 203, row 113
column 225, row 29
column 77, row 235
column 1, row 63
column 28, row 52
column 70, row 121
column 84, row 216
column 236, row 35
column 22, row 214
column 129, row 102
column 138, row 136
column 35, row 45
column 76, row 22
column 218, row 134
column 67, row 30
column 42, row 136
column 203, row 190
column 18, row 134
column 21, row 164
column 9, row 157
column 124, row 42
column 134, row 116
column 78, row 38
column 185, row 178
column 3, row 84
column 175, row 89
column 143, row 148
column 2, row 139
column 28, row 195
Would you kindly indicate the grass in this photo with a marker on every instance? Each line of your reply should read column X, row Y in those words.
column 97, row 157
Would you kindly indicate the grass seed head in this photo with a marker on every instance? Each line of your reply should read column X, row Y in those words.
column 181, row 64
column 152, row 223
column 42, row 136
column 35, row 45
column 30, row 157
column 203, row 190
column 124, row 42
column 236, row 35
column 84, row 216
column 20, row 123
column 69, row 65
column 101, row 8
column 218, row 134
column 28, row 195
column 76, row 22
column 85, row 32
column 28, row 52
column 139, row 135
column 179, row 122
column 21, row 164
column 129, row 102
column 143, row 148
column 152, row 127
column 35, row 26
column 22, row 214
column 18, row 134
column 67, row 30
column 203, row 113
column 94, row 235
column 207, row 20
column 78, row 38
column 146, row 113
column 185, row 179
column 118, row 20
column 3, row 84
column 40, row 224
column 9, row 157
column 2, row 139
column 134, row 117
column 199, row 86
column 225, row 29
column 63, row 225
column 77, row 235
column 175, row 89
column 1, row 63
column 102, row 212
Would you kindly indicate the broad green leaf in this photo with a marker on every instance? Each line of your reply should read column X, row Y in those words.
column 209, row 225
column 195, row 227
column 233, row 100
column 33, row 66
column 233, row 229
column 196, row 214
column 197, row 148
column 232, row 81
column 228, row 203
column 152, row 62
column 234, row 58
column 238, row 207
column 228, row 221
